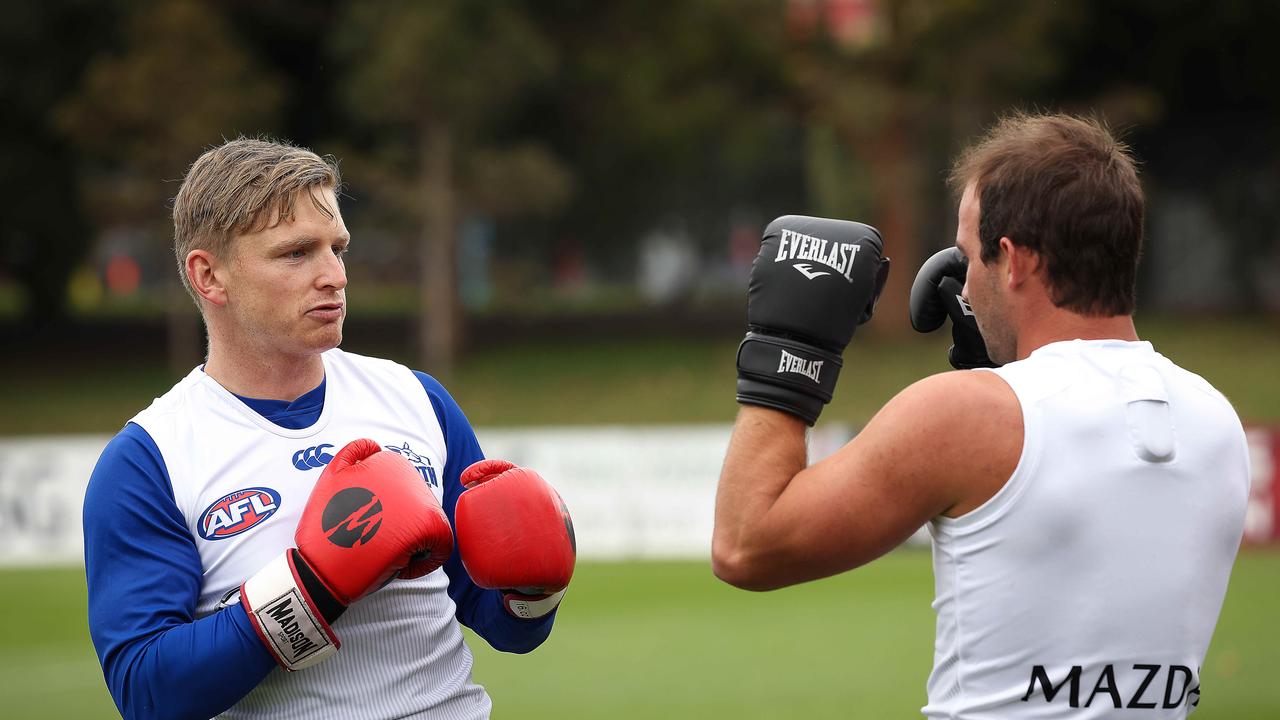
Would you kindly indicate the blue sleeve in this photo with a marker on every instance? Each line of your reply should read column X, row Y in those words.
column 143, row 574
column 479, row 609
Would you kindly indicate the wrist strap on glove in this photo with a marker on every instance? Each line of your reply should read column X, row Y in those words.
column 785, row 374
column 530, row 607
column 291, row 611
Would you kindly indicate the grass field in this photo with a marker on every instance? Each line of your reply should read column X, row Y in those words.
column 666, row 640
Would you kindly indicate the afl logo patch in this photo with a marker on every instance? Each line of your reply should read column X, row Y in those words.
column 238, row 512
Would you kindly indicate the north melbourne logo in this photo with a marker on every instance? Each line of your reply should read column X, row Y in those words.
column 420, row 463
column 800, row 366
column 836, row 255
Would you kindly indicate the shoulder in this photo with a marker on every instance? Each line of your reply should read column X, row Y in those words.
column 132, row 447
column 447, row 410
column 173, row 402
column 958, row 433
column 1195, row 382
column 398, row 379
column 431, row 385
column 364, row 363
column 960, row 402
column 131, row 468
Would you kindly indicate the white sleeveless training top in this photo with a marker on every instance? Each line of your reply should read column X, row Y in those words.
column 241, row 482
column 1090, row 584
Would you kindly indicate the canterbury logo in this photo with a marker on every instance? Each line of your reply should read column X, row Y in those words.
column 312, row 457
column 964, row 306
column 807, row 270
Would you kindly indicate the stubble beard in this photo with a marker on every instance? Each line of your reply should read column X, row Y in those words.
column 998, row 335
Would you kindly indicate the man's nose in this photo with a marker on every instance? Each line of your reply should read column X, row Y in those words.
column 334, row 274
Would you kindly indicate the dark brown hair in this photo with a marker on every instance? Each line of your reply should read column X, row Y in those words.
column 1066, row 188
column 242, row 186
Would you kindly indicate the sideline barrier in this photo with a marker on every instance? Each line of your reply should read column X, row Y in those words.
column 634, row 491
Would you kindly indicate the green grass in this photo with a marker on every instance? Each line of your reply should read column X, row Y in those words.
column 644, row 640
column 649, row 380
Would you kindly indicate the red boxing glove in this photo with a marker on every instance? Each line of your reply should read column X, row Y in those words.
column 370, row 518
column 515, row 535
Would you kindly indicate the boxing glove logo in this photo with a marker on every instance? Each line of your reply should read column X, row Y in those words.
column 838, row 256
column 352, row 517
column 789, row 363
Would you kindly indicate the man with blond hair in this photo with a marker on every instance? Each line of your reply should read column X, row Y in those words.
column 1086, row 496
column 275, row 536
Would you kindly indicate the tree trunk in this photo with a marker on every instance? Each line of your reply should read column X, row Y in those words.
column 438, row 314
column 896, row 203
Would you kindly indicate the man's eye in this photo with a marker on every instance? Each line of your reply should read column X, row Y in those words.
column 297, row 254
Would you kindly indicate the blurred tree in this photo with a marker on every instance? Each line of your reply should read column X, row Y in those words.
column 45, row 233
column 431, row 82
column 180, row 83
column 1194, row 85
column 672, row 113
column 887, row 87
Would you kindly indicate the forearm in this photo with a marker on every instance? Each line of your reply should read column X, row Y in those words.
column 482, row 611
column 192, row 670
column 766, row 451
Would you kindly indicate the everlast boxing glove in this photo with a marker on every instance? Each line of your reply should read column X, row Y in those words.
column 814, row 281
column 936, row 295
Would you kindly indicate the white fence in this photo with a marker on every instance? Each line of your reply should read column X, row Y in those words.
column 635, row 492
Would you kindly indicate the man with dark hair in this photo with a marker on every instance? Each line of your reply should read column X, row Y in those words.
column 275, row 536
column 1085, row 495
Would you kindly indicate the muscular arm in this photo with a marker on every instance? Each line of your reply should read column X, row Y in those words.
column 479, row 609
column 943, row 446
column 143, row 575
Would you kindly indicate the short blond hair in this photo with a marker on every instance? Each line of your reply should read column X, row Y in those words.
column 243, row 186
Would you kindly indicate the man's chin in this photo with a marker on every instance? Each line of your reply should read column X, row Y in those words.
column 326, row 338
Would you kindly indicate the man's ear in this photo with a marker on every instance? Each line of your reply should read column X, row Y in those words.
column 1023, row 262
column 206, row 275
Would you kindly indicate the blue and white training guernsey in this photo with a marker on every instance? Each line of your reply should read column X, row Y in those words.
column 237, row 482
column 1090, row 584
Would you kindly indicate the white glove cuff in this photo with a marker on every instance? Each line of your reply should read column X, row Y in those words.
column 285, row 617
column 530, row 607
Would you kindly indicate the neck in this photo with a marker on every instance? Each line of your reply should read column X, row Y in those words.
column 1058, row 325
column 263, row 375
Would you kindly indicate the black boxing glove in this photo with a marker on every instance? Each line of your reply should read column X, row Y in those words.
column 936, row 295
column 814, row 281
